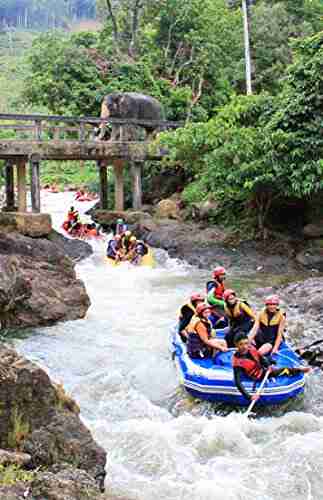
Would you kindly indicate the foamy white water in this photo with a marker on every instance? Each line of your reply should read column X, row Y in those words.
column 117, row 365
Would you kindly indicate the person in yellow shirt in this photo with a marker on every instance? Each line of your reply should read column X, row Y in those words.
column 267, row 332
column 240, row 315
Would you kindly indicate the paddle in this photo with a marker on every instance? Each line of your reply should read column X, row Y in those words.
column 258, row 393
column 316, row 342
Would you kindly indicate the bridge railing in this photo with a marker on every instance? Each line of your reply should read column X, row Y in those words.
column 47, row 127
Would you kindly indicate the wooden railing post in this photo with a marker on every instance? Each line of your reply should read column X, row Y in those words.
column 136, row 185
column 82, row 132
column 21, row 181
column 9, row 186
column 119, row 189
column 103, row 176
column 38, row 130
column 35, row 185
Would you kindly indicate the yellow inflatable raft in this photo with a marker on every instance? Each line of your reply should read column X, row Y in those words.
column 147, row 260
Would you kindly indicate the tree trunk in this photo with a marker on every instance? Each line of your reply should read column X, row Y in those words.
column 114, row 23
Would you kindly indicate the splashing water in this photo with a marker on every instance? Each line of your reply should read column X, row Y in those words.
column 117, row 365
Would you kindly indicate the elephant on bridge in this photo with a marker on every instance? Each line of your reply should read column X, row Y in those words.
column 129, row 105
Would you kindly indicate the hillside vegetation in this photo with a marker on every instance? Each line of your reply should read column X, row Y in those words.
column 250, row 154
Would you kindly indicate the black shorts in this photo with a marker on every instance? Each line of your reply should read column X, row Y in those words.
column 261, row 339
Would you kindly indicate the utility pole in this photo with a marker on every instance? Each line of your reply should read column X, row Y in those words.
column 247, row 46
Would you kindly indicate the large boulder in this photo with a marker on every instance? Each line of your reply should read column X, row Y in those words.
column 38, row 284
column 313, row 230
column 311, row 257
column 40, row 419
column 109, row 217
column 167, row 209
column 74, row 249
column 28, row 224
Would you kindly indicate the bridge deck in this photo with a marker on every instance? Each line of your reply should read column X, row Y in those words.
column 76, row 150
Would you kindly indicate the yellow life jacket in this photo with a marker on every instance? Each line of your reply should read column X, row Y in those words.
column 275, row 320
column 189, row 306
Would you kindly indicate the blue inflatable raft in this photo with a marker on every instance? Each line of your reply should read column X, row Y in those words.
column 212, row 379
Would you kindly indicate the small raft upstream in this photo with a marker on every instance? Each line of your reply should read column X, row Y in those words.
column 212, row 379
column 147, row 260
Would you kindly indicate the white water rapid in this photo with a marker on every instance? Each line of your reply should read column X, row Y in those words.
column 117, row 365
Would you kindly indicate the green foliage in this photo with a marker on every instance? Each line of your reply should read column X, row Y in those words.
column 273, row 24
column 20, row 429
column 258, row 149
column 70, row 173
column 64, row 76
column 11, row 474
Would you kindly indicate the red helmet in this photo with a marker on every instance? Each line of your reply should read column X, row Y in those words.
column 272, row 300
column 197, row 296
column 200, row 308
column 227, row 293
column 218, row 271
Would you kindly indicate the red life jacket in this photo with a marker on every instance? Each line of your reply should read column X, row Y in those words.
column 217, row 287
column 252, row 367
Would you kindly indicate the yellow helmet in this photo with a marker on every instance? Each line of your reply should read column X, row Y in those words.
column 133, row 239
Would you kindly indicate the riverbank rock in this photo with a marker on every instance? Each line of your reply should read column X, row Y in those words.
column 74, row 249
column 314, row 230
column 108, row 218
column 167, row 209
column 42, row 422
column 306, row 296
column 38, row 284
column 206, row 247
column 312, row 256
column 28, row 224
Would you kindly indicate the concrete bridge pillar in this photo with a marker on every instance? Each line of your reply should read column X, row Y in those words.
column 21, row 182
column 136, row 185
column 103, row 176
column 119, row 188
column 9, row 186
column 35, row 185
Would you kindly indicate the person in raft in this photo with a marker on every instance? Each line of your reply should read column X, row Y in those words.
column 240, row 315
column 186, row 313
column 141, row 249
column 215, row 289
column 114, row 250
column 131, row 249
column 200, row 344
column 247, row 360
column 267, row 332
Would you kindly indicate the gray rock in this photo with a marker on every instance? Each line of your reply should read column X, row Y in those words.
column 14, row 457
column 41, row 420
column 67, row 484
column 38, row 284
column 311, row 258
column 313, row 230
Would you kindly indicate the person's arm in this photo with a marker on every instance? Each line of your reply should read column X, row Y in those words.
column 279, row 336
column 213, row 301
column 248, row 310
column 254, row 330
column 237, row 371
column 203, row 334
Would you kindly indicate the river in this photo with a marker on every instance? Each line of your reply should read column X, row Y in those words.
column 160, row 445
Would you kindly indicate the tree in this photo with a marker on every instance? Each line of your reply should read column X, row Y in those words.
column 260, row 148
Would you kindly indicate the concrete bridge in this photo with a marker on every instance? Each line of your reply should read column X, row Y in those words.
column 33, row 138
